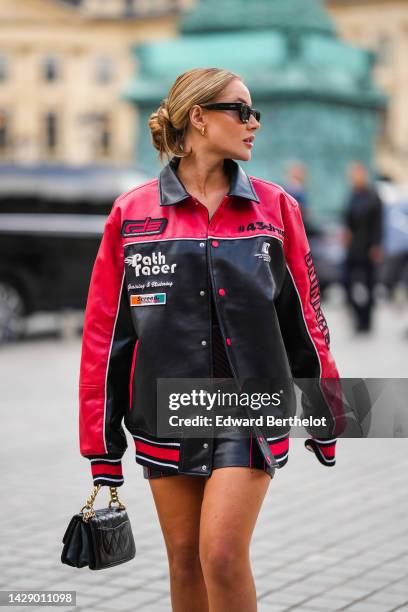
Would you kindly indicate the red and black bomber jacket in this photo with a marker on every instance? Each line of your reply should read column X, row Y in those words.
column 148, row 317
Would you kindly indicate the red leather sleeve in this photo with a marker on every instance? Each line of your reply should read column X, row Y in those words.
column 305, row 331
column 106, row 359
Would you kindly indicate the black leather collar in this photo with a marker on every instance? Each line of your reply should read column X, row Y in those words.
column 172, row 190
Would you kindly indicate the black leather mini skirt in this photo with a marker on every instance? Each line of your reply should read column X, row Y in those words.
column 230, row 448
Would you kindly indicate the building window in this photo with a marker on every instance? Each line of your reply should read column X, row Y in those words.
column 383, row 127
column 129, row 8
column 4, row 132
column 50, row 69
column 384, row 49
column 103, row 135
column 104, row 69
column 3, row 68
column 51, row 127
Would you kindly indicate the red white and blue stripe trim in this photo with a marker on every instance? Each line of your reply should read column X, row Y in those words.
column 279, row 446
column 324, row 449
column 155, row 453
column 106, row 470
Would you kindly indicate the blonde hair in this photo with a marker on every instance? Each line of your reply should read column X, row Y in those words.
column 169, row 123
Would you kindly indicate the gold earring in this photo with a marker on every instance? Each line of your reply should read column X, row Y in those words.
column 203, row 131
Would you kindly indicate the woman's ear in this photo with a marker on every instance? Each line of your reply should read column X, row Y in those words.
column 197, row 117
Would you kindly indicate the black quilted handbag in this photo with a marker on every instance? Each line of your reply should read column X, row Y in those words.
column 99, row 538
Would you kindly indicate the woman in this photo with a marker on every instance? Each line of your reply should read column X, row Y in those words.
column 203, row 272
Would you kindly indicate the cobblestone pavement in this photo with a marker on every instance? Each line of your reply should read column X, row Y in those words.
column 326, row 538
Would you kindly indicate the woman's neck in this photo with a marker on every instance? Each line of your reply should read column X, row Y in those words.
column 203, row 177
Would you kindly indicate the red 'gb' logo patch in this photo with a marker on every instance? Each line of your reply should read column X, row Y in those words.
column 143, row 227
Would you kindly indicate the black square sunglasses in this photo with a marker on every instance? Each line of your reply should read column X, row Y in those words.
column 244, row 110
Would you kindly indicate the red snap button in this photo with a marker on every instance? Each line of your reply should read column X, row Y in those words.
column 221, row 291
column 228, row 341
column 215, row 243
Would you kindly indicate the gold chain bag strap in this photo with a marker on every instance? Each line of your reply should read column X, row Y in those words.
column 99, row 538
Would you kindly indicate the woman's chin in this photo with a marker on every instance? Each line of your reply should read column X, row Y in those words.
column 242, row 155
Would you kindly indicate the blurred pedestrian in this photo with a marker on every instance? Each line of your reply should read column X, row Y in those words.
column 296, row 186
column 363, row 221
column 296, row 180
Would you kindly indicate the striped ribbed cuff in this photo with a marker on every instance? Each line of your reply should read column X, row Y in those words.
column 106, row 470
column 324, row 449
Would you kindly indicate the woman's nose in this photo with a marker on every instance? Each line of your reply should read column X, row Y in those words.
column 254, row 123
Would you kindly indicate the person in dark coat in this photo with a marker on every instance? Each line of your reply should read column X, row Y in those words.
column 296, row 185
column 363, row 221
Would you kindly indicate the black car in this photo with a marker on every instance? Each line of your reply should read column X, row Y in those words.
column 51, row 224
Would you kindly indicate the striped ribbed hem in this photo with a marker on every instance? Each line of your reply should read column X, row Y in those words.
column 324, row 449
column 106, row 470
column 153, row 452
column 279, row 446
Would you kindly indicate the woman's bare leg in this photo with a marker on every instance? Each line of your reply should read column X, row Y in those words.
column 232, row 499
column 178, row 503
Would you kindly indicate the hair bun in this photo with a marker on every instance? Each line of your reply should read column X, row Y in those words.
column 163, row 111
column 161, row 126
